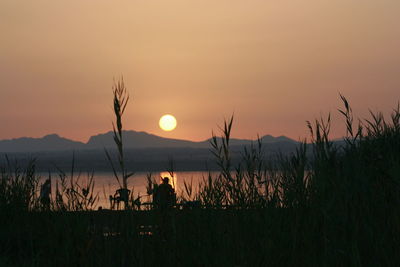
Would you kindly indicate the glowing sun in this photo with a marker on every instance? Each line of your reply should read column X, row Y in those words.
column 167, row 122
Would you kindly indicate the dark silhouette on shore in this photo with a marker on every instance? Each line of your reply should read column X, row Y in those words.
column 164, row 195
column 164, row 199
column 45, row 192
column 121, row 195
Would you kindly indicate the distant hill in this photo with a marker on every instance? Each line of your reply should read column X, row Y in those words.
column 143, row 151
column 51, row 142
column 132, row 140
column 271, row 139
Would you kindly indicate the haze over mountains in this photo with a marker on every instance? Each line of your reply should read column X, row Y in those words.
column 143, row 152
column 132, row 140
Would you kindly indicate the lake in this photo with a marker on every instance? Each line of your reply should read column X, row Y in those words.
column 106, row 183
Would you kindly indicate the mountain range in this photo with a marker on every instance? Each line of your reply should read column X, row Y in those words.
column 132, row 140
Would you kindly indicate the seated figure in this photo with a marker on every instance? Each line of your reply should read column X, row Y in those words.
column 121, row 195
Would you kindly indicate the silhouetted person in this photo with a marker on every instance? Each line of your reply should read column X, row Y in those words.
column 45, row 192
column 164, row 195
column 164, row 199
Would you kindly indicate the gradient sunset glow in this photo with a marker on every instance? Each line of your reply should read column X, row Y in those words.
column 274, row 64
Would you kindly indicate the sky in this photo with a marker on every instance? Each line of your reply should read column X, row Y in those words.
column 274, row 64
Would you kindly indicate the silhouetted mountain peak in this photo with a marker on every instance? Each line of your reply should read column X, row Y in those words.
column 134, row 139
column 269, row 139
column 51, row 142
column 52, row 137
column 131, row 139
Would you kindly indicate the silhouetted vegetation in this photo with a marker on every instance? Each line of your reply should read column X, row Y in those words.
column 337, row 205
column 120, row 100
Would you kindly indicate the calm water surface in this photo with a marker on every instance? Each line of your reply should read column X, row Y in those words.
column 106, row 183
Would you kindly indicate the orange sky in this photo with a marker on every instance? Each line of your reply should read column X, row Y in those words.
column 275, row 64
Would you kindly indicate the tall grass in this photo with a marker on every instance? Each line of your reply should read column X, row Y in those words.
column 18, row 187
column 120, row 101
column 327, row 204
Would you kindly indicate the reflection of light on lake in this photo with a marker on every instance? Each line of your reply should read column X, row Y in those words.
column 172, row 180
column 105, row 183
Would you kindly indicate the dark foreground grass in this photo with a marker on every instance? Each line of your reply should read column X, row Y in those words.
column 332, row 206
